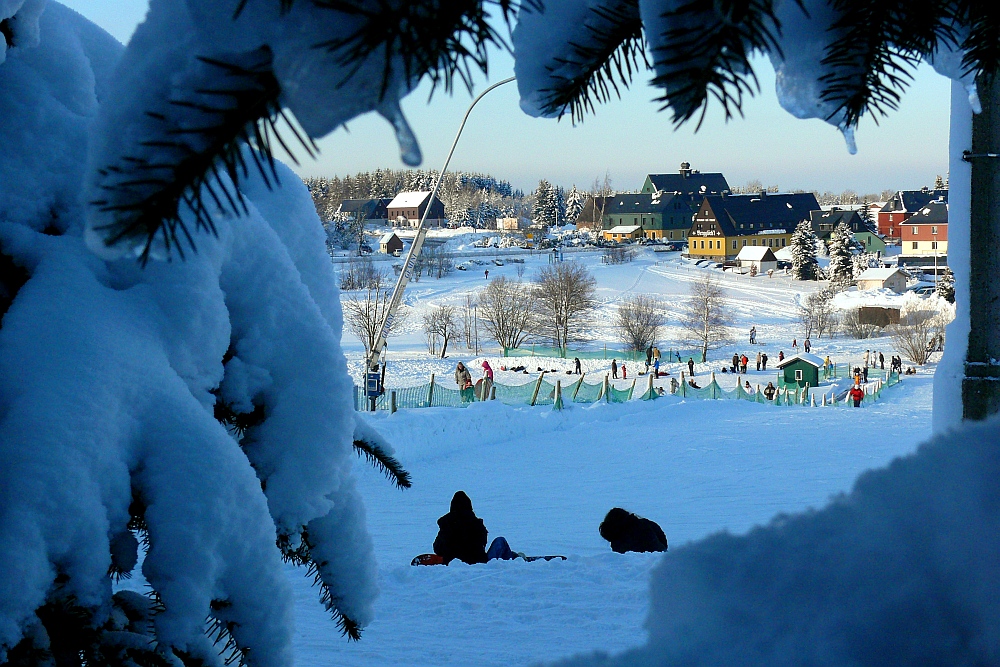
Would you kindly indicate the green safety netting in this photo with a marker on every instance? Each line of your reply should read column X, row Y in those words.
column 580, row 391
column 587, row 393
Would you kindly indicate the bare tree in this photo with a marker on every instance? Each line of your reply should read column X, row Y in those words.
column 859, row 327
column 441, row 323
column 364, row 315
column 507, row 309
column 566, row 293
column 916, row 334
column 639, row 320
column 705, row 321
column 361, row 274
column 817, row 313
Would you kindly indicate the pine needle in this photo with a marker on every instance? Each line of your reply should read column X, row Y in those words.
column 384, row 462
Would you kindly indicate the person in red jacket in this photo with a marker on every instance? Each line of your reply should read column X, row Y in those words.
column 857, row 395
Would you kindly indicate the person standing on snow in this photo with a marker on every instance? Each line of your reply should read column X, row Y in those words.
column 769, row 391
column 857, row 395
column 656, row 368
column 649, row 357
column 758, row 362
column 463, row 378
column 743, row 363
column 576, row 365
column 656, row 354
column 736, row 363
column 691, row 366
column 781, row 356
column 807, row 345
column 881, row 362
column 867, row 357
column 763, row 362
column 614, row 369
column 487, row 274
column 624, row 371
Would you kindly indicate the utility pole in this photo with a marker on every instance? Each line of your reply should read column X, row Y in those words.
column 981, row 383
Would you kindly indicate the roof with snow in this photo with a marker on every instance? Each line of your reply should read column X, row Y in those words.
column 365, row 206
column 690, row 182
column 935, row 213
column 388, row 237
column 808, row 358
column 756, row 253
column 744, row 215
column 824, row 222
column 409, row 199
column 878, row 274
column 638, row 203
column 909, row 201
column 623, row 229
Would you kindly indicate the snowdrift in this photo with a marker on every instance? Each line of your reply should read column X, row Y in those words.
column 902, row 570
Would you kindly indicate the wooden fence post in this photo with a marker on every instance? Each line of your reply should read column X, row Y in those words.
column 683, row 386
column 430, row 392
column 557, row 403
column 493, row 392
column 538, row 385
column 650, row 390
column 392, row 402
column 630, row 390
column 579, row 384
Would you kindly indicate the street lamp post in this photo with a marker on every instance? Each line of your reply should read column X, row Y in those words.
column 934, row 246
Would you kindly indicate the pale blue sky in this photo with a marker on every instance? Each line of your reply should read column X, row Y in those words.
column 630, row 138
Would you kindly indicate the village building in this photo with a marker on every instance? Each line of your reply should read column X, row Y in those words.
column 623, row 233
column 513, row 224
column 725, row 224
column 592, row 214
column 801, row 369
column 663, row 208
column 759, row 259
column 390, row 244
column 406, row 209
column 924, row 237
column 825, row 222
column 892, row 279
column 903, row 205
column 370, row 210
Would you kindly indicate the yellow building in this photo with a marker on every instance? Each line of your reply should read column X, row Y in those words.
column 725, row 224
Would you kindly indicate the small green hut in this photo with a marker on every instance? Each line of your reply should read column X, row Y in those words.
column 801, row 369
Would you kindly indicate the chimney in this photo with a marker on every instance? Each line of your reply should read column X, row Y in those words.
column 763, row 193
column 685, row 170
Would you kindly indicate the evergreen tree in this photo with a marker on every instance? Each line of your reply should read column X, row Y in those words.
column 864, row 261
column 574, row 204
column 841, row 256
column 804, row 264
column 545, row 209
column 946, row 286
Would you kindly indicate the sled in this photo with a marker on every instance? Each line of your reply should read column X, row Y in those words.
column 531, row 559
column 427, row 559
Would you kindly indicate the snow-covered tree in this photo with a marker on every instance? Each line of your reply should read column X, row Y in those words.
column 574, row 204
column 803, row 244
column 864, row 261
column 841, row 251
column 545, row 209
column 946, row 286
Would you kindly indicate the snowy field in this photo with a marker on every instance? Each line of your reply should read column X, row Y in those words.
column 544, row 480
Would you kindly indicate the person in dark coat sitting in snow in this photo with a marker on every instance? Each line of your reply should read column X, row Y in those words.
column 462, row 535
column 628, row 532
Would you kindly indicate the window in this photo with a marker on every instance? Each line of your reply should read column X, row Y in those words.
column 671, row 235
column 934, row 230
column 914, row 245
column 718, row 245
column 933, row 245
column 734, row 244
column 755, row 241
column 702, row 245
column 783, row 242
column 916, row 230
column 744, row 243
column 798, row 375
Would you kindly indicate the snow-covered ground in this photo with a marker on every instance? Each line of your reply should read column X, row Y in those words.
column 545, row 479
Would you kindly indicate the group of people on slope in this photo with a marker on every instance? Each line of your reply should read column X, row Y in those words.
column 463, row 536
column 463, row 378
column 740, row 363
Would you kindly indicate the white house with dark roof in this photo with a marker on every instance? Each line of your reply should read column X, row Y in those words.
column 760, row 257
